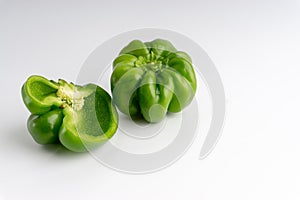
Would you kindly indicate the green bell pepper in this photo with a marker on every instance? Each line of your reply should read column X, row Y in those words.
column 78, row 117
column 152, row 78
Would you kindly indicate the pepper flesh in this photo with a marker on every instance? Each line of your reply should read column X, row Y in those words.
column 78, row 117
column 152, row 78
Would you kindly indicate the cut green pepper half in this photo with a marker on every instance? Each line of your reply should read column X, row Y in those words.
column 78, row 117
column 152, row 78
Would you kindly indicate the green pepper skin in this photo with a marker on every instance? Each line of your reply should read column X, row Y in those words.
column 152, row 78
column 44, row 128
column 78, row 117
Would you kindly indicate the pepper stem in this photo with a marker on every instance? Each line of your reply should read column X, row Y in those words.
column 151, row 62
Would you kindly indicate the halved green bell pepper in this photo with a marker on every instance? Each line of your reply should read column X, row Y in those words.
column 152, row 78
column 78, row 117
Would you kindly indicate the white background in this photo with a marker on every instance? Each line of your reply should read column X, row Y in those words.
column 255, row 46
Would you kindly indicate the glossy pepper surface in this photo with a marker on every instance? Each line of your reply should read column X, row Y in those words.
column 78, row 117
column 150, row 79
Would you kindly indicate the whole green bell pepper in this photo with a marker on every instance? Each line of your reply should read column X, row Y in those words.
column 78, row 117
column 152, row 78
